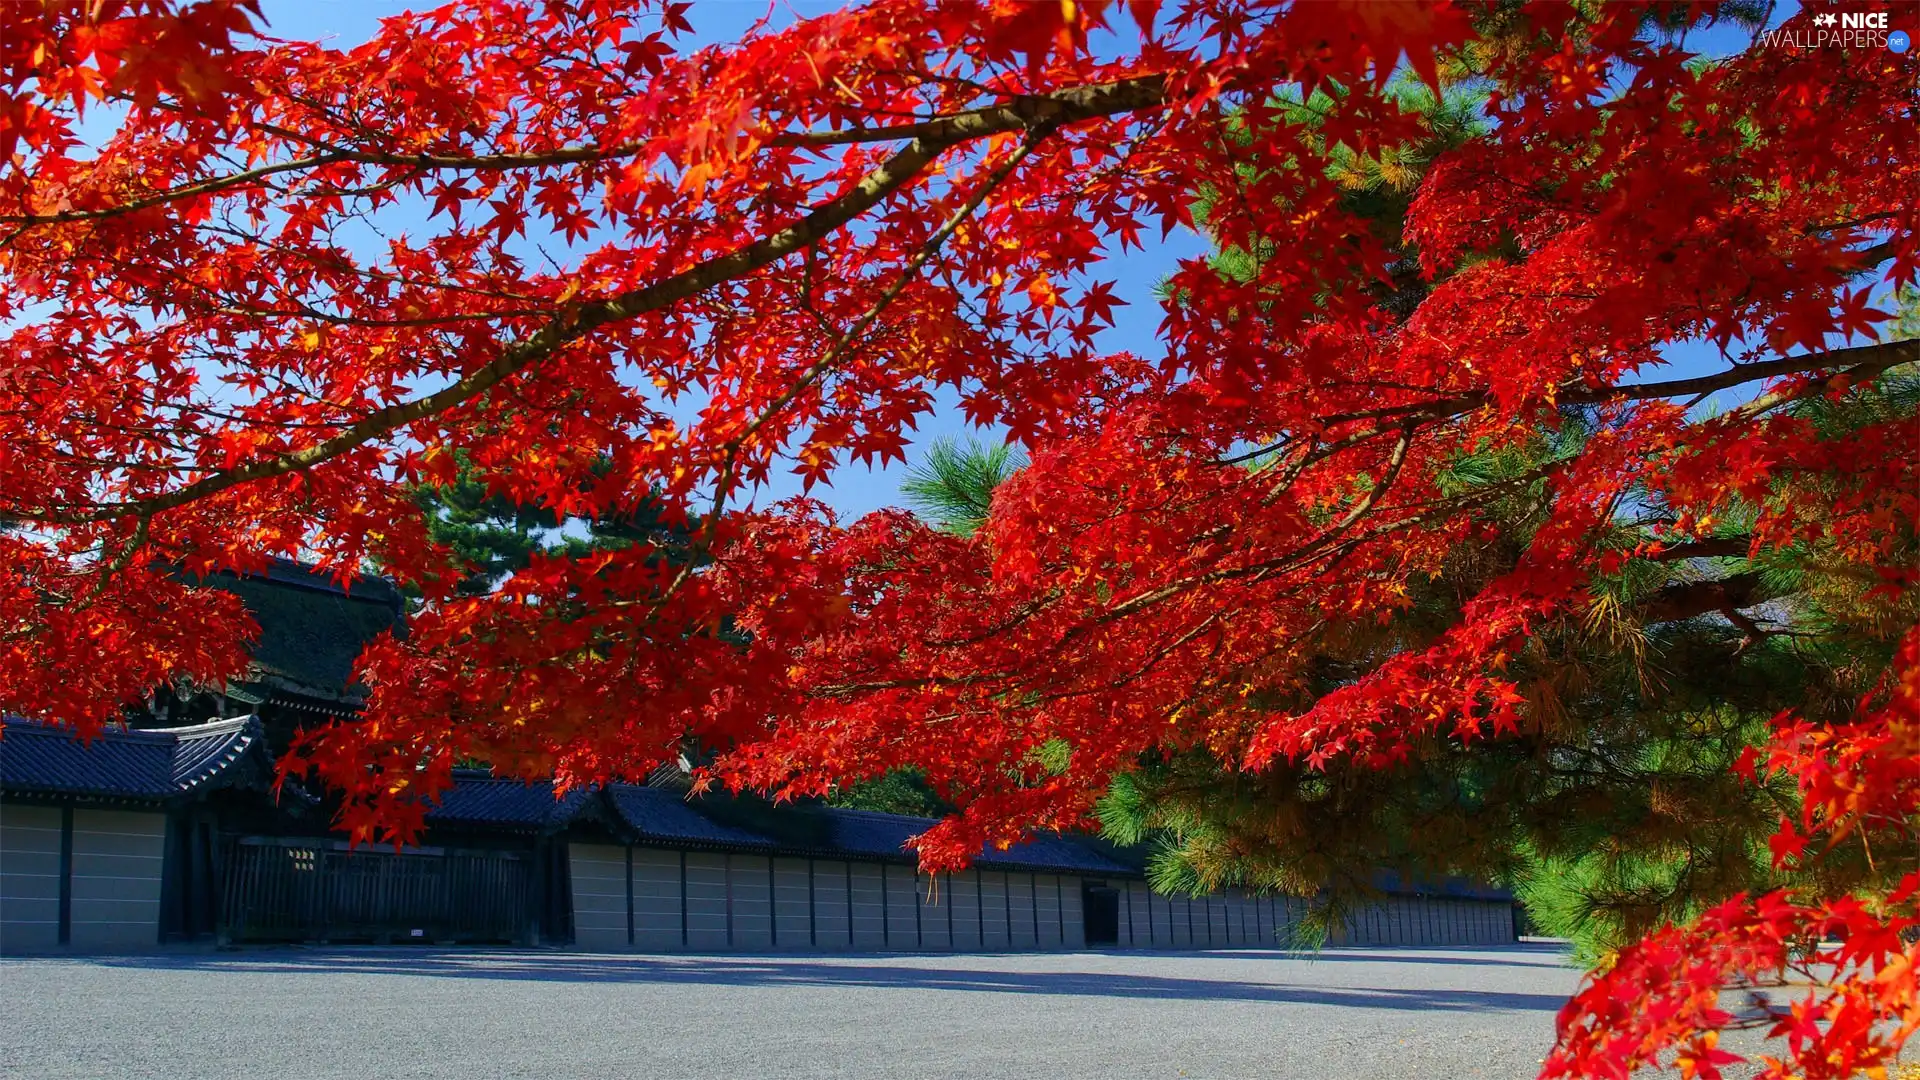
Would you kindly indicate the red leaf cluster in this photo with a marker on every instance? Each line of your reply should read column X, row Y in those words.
column 538, row 237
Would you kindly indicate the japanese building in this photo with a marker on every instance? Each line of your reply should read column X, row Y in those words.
column 172, row 831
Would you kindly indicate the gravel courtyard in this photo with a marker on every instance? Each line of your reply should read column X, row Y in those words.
column 306, row 1014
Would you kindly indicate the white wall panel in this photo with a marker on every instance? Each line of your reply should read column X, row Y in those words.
column 994, row 910
column 706, row 902
column 905, row 919
column 831, row 930
column 792, row 905
column 963, row 897
column 1136, row 916
column 870, row 915
column 936, row 911
column 1020, row 909
column 598, row 875
column 1073, row 914
column 1190, row 922
column 1047, row 895
column 656, row 899
column 750, row 890
column 117, row 860
column 29, row 878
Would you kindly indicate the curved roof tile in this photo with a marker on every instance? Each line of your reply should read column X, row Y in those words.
column 668, row 817
column 149, row 765
column 662, row 814
column 479, row 799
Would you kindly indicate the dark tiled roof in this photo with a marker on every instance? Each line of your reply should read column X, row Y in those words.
column 666, row 815
column 151, row 765
column 312, row 629
column 1457, row 888
column 878, row 835
column 478, row 799
column 1055, row 852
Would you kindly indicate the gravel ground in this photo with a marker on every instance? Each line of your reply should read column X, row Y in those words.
column 374, row 1013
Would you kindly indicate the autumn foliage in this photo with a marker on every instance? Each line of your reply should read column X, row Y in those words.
column 256, row 291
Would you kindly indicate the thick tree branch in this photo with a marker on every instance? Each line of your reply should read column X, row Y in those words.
column 1030, row 110
column 1859, row 362
column 1855, row 364
column 1061, row 107
column 723, row 489
column 1687, row 600
column 1053, row 110
column 1715, row 547
column 1395, row 459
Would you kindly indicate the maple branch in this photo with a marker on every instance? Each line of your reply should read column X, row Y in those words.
column 1065, row 106
column 723, row 489
column 907, row 274
column 1167, row 650
column 121, row 560
column 1860, row 361
column 1687, row 600
column 185, row 191
column 1716, row 547
column 1395, row 459
column 1026, row 110
column 217, row 184
column 1052, row 111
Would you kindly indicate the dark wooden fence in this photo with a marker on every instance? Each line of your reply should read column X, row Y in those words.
column 279, row 890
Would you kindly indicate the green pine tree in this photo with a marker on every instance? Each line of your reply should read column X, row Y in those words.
column 491, row 535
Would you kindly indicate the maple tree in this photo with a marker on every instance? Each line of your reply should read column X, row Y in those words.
column 491, row 537
column 537, row 242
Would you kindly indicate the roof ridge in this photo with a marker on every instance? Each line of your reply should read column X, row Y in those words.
column 223, row 726
column 477, row 776
column 147, row 764
column 314, row 577
column 879, row 814
column 623, row 785
column 24, row 727
column 240, row 739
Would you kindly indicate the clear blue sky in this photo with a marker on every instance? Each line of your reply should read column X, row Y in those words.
column 857, row 489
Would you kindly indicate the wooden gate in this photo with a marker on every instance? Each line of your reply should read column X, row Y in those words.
column 293, row 890
column 1100, row 909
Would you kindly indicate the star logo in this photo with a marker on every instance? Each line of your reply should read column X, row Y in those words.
column 1825, row 18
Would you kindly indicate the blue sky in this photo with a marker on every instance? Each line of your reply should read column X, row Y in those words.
column 857, row 489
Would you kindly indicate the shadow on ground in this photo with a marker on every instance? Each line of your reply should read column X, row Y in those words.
column 769, row 971
column 1526, row 954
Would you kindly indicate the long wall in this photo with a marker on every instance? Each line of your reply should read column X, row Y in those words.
column 1152, row 920
column 664, row 900
column 710, row 902
column 79, row 878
